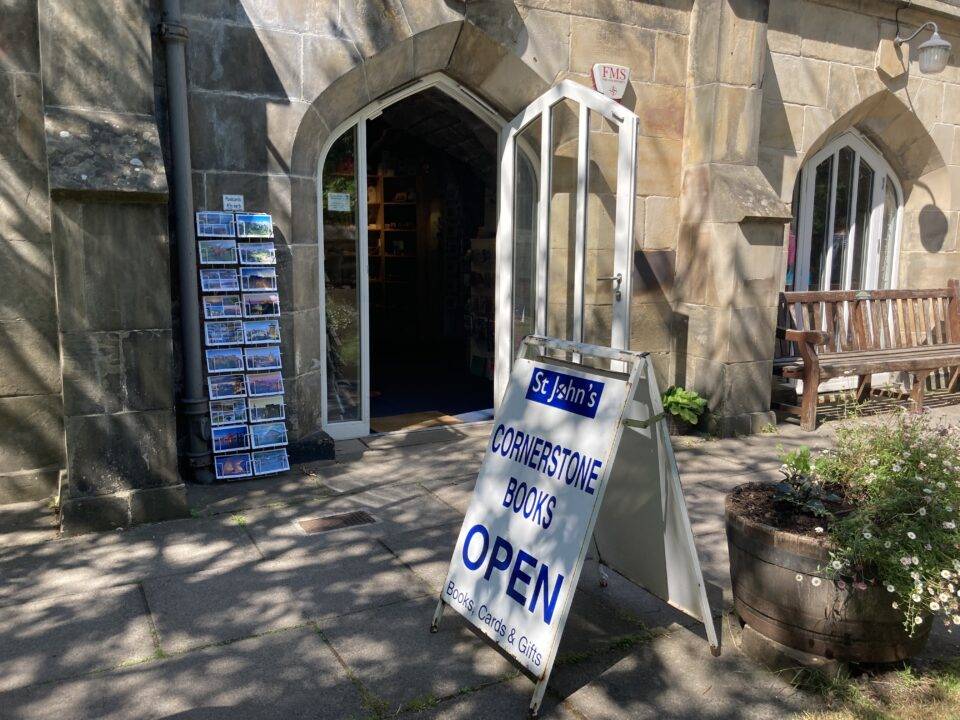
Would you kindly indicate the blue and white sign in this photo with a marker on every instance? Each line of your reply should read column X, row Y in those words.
column 516, row 562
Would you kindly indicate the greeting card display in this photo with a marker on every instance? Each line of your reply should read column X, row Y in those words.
column 225, row 333
column 241, row 311
column 269, row 462
column 261, row 332
column 222, row 387
column 221, row 360
column 230, row 438
column 266, row 408
column 219, row 281
column 258, row 254
column 218, row 252
column 215, row 224
column 218, row 307
column 262, row 358
column 258, row 278
column 231, row 467
column 261, row 305
column 228, row 412
column 268, row 435
column 254, row 225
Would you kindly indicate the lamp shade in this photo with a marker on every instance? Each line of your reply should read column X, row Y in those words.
column 933, row 54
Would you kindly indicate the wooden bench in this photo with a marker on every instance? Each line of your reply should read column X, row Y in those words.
column 830, row 334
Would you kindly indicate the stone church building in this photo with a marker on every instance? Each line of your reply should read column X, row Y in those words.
column 759, row 145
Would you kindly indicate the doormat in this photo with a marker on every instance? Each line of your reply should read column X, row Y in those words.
column 412, row 421
column 312, row 526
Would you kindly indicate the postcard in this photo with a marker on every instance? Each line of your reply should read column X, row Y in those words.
column 218, row 252
column 226, row 333
column 230, row 467
column 270, row 461
column 221, row 360
column 228, row 412
column 217, row 307
column 263, row 358
column 231, row 438
column 264, row 384
column 258, row 254
column 258, row 278
column 222, row 387
column 261, row 332
column 261, row 305
column 254, row 225
column 215, row 224
column 268, row 435
column 264, row 409
column 219, row 281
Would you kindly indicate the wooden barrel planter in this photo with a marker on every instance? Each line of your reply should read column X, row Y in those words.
column 843, row 624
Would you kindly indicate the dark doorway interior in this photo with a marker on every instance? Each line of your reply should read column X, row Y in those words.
column 431, row 216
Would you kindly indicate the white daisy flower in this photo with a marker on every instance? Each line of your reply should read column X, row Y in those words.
column 945, row 574
column 818, row 530
column 956, row 619
column 887, row 544
column 890, row 588
column 815, row 581
column 837, row 564
column 799, row 577
column 894, row 605
column 867, row 535
column 918, row 620
column 934, row 605
column 912, row 535
column 922, row 511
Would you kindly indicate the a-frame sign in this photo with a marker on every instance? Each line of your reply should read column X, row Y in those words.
column 578, row 451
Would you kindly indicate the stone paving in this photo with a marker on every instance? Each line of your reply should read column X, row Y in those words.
column 236, row 613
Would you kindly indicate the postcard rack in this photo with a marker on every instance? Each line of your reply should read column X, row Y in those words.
column 241, row 332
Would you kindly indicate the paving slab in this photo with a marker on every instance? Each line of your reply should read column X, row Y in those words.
column 101, row 560
column 291, row 674
column 427, row 552
column 458, row 494
column 65, row 636
column 507, row 699
column 443, row 434
column 23, row 523
column 675, row 678
column 396, row 508
column 397, row 657
column 233, row 497
column 202, row 608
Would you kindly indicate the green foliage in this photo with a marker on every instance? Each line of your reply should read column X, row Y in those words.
column 688, row 405
column 800, row 488
column 898, row 529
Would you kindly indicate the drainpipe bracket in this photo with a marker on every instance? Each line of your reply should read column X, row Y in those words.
column 174, row 32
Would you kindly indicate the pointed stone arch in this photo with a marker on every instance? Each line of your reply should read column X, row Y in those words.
column 489, row 70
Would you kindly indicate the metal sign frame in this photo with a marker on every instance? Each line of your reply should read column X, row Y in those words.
column 678, row 579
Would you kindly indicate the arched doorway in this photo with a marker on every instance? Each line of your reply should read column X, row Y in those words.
column 407, row 201
column 562, row 264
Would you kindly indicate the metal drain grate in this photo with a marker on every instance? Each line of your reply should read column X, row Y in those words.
column 312, row 526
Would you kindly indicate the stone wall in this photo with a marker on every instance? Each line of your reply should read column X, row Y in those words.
column 821, row 80
column 31, row 425
column 269, row 81
column 111, row 260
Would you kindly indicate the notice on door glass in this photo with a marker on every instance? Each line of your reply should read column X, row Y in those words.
column 338, row 202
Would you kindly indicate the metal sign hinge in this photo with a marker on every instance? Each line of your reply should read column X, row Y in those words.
column 644, row 424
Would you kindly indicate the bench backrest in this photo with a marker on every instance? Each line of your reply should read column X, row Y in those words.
column 858, row 320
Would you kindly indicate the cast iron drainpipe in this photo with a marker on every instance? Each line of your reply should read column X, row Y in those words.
column 193, row 404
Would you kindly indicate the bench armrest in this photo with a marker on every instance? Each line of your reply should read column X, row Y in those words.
column 803, row 337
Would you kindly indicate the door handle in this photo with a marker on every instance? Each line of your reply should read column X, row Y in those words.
column 617, row 279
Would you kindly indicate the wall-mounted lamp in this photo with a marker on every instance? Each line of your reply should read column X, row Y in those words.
column 932, row 54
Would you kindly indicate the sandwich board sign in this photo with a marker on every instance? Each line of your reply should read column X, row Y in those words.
column 577, row 456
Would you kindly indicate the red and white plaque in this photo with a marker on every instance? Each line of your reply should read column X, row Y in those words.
column 611, row 80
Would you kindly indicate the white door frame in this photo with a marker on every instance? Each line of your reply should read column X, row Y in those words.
column 361, row 427
column 541, row 109
column 883, row 173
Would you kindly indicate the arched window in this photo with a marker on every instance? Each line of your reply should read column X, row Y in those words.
column 847, row 208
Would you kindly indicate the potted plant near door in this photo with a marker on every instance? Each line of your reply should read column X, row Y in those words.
column 856, row 552
column 683, row 408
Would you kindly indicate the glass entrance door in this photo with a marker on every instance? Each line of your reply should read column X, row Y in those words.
column 565, row 229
